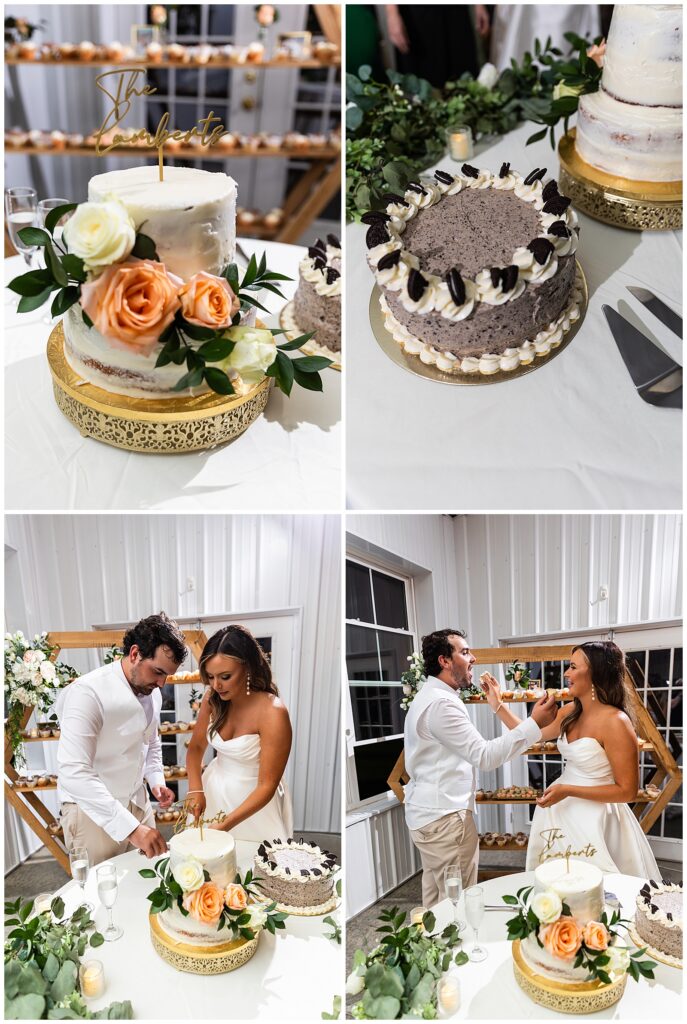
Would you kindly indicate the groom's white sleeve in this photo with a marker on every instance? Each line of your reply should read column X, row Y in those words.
column 450, row 726
column 153, row 770
column 81, row 722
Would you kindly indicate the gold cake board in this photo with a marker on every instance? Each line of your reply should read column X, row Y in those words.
column 638, row 205
column 217, row 959
column 409, row 361
column 168, row 426
column 580, row 997
column 287, row 320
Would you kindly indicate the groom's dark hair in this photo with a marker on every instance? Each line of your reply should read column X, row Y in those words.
column 153, row 632
column 436, row 645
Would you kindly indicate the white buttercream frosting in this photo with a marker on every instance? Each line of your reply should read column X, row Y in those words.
column 318, row 276
column 494, row 295
column 530, row 269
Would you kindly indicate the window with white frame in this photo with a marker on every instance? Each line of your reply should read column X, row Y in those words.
column 380, row 635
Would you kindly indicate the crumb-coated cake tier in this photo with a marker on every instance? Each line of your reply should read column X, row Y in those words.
column 477, row 269
column 295, row 873
column 659, row 916
column 317, row 302
column 216, row 852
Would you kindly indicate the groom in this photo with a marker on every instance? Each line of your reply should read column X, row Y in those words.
column 110, row 745
column 443, row 751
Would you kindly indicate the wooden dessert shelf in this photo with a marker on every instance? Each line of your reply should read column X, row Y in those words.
column 647, row 809
column 25, row 800
column 234, row 65
column 185, row 152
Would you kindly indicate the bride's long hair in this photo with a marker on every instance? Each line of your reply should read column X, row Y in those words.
column 607, row 669
column 236, row 642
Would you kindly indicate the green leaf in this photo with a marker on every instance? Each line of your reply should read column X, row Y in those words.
column 30, row 302
column 64, row 300
column 510, row 900
column 33, row 283
column 74, row 266
column 283, row 372
column 311, row 364
column 218, row 348
column 144, row 248
column 218, row 381
column 57, row 907
column 57, row 214
column 25, row 1007
column 231, row 273
column 96, row 939
column 51, row 968
column 147, row 873
column 54, row 265
column 194, row 331
column 309, row 381
column 65, row 982
column 190, row 380
column 537, row 136
column 251, row 273
column 34, row 236
column 461, row 958
column 354, row 118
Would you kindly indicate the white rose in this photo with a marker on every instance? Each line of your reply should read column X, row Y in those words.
column 100, row 233
column 562, row 89
column 47, row 670
column 255, row 350
column 354, row 984
column 488, row 76
column 546, row 906
column 189, row 874
column 407, row 689
column 257, row 916
column 619, row 959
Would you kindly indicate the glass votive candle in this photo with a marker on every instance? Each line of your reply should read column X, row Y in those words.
column 459, row 141
column 92, row 978
column 448, row 995
column 416, row 915
column 42, row 902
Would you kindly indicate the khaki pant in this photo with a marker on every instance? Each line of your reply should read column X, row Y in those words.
column 80, row 830
column 452, row 839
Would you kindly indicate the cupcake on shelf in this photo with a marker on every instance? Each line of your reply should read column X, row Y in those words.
column 273, row 218
column 281, row 54
column 68, row 51
column 228, row 141
column 325, row 52
column 75, row 140
column 255, row 53
column 58, row 140
column 489, row 838
column 114, row 51
column 86, row 50
column 175, row 53
column 521, row 839
column 15, row 138
column 501, row 840
column 27, row 51
column 154, row 52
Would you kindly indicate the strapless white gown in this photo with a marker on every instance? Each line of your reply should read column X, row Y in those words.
column 231, row 776
column 611, row 829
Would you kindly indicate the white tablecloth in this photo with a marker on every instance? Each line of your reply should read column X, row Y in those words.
column 489, row 989
column 293, row 975
column 574, row 434
column 290, row 458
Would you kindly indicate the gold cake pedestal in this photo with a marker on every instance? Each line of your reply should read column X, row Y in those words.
column 638, row 205
column 217, row 959
column 168, row 426
column 578, row 998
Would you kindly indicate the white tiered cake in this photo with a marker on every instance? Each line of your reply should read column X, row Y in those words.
column 632, row 127
column 217, row 854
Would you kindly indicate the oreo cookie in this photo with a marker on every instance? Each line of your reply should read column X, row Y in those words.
column 456, row 286
column 415, row 186
column 444, row 178
column 389, row 260
column 332, row 274
column 536, row 175
column 541, row 249
column 416, row 285
column 505, row 170
column 334, row 241
column 559, row 229
column 469, row 171
column 509, row 277
column 391, row 197
column 550, row 190
column 314, row 252
column 557, row 205
column 375, row 217
column 376, row 234
column 495, row 273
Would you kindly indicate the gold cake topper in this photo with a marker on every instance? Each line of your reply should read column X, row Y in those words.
column 181, row 824
column 551, row 836
column 125, row 85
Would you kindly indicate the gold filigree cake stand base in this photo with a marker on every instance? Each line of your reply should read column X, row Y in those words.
column 639, row 205
column 413, row 363
column 311, row 348
column 168, row 426
column 578, row 998
column 218, row 959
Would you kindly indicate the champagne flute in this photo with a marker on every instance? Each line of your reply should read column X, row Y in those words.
column 79, row 863
column 474, row 911
column 44, row 208
column 20, row 210
column 453, row 881
column 107, row 891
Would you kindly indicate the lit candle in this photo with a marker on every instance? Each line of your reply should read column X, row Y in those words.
column 459, row 139
column 448, row 996
column 42, row 902
column 416, row 915
column 92, row 977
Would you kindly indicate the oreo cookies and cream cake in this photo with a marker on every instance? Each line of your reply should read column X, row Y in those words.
column 658, row 917
column 317, row 302
column 297, row 875
column 476, row 270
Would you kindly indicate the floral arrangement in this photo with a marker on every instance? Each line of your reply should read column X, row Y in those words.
column 519, row 674
column 194, row 699
column 18, row 30
column 266, row 15
column 42, row 954
column 123, row 289
column 596, row 946
column 31, row 678
column 412, row 679
column 113, row 653
column 399, row 976
column 236, row 907
column 575, row 77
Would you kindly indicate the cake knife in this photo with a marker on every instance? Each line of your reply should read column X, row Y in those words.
column 657, row 377
column 656, row 306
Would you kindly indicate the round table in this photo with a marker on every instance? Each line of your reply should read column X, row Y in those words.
column 489, row 989
column 294, row 974
column 289, row 458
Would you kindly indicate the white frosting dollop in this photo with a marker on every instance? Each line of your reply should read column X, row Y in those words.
column 425, row 304
column 483, row 180
column 444, row 304
column 511, row 180
column 318, row 276
column 495, row 296
column 530, row 269
column 452, row 189
column 431, row 195
column 394, row 278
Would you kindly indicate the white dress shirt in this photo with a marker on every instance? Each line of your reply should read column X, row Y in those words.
column 109, row 744
column 444, row 751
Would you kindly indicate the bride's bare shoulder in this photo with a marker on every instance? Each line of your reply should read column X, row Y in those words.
column 275, row 706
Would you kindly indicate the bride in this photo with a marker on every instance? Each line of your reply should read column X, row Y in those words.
column 586, row 808
column 243, row 718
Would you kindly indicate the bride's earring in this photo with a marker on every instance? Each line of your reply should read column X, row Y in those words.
column 247, row 686
column 593, row 692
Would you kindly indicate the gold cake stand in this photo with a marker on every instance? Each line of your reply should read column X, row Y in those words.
column 639, row 205
column 287, row 320
column 217, row 959
column 581, row 997
column 411, row 362
column 168, row 426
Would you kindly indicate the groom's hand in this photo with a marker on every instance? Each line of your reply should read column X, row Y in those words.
column 148, row 840
column 164, row 796
column 544, row 711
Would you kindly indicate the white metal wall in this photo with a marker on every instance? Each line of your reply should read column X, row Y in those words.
column 70, row 572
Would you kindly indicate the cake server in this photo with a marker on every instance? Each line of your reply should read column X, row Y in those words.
column 658, row 307
column 657, row 377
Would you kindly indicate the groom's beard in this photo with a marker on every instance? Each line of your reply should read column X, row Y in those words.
column 461, row 678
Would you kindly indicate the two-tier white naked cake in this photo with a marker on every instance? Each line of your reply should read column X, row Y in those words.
column 191, row 218
column 216, row 851
column 632, row 127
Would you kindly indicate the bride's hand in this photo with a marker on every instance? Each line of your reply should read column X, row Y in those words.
column 492, row 690
column 552, row 795
column 195, row 804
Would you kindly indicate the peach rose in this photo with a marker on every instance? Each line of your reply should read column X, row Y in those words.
column 562, row 939
column 597, row 53
column 208, row 301
column 132, row 303
column 235, row 897
column 205, row 904
column 595, row 936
